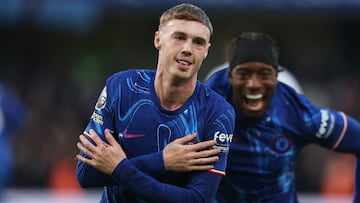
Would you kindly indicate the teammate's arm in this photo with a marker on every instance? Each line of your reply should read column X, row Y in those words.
column 349, row 141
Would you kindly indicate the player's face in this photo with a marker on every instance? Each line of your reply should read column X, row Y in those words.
column 253, row 85
column 183, row 45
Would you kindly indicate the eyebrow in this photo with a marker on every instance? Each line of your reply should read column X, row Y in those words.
column 195, row 38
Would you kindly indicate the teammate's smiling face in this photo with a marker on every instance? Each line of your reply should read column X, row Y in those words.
column 183, row 45
column 253, row 85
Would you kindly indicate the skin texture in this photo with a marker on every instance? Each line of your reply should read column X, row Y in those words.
column 253, row 85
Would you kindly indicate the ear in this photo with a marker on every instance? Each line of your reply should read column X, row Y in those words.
column 157, row 40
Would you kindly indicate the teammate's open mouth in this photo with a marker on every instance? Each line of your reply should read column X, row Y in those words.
column 254, row 101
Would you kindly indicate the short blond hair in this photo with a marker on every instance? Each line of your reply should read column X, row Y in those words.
column 186, row 11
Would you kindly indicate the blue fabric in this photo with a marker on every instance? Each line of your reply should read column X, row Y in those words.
column 129, row 107
column 264, row 151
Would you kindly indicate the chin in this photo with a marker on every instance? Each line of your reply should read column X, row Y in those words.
column 253, row 114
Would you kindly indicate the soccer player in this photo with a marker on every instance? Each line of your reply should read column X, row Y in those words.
column 140, row 112
column 284, row 76
column 273, row 123
column 12, row 116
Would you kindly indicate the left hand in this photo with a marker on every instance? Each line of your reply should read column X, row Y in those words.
column 180, row 156
column 102, row 156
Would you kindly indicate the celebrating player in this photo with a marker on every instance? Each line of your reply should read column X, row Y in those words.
column 139, row 112
column 273, row 123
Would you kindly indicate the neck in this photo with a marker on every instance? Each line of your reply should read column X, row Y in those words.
column 173, row 93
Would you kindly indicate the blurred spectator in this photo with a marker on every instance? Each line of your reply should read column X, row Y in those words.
column 12, row 116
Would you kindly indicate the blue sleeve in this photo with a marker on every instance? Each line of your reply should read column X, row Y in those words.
column 88, row 176
column 150, row 189
column 350, row 140
column 219, row 82
column 320, row 125
column 150, row 164
column 351, row 143
column 100, row 120
column 221, row 130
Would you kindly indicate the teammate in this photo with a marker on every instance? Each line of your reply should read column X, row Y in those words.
column 144, row 110
column 284, row 76
column 273, row 123
column 12, row 116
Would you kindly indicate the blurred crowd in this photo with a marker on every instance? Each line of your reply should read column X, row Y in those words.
column 59, row 75
column 45, row 146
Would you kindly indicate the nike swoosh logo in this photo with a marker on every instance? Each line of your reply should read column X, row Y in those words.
column 125, row 134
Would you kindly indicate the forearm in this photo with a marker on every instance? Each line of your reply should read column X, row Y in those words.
column 200, row 189
column 88, row 176
column 351, row 140
column 150, row 164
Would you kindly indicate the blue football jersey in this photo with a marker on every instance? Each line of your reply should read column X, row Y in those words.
column 264, row 151
column 128, row 106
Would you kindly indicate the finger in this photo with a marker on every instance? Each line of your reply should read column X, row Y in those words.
column 207, row 153
column 203, row 145
column 84, row 160
column 87, row 135
column 109, row 137
column 86, row 143
column 95, row 137
column 204, row 161
column 186, row 139
column 81, row 147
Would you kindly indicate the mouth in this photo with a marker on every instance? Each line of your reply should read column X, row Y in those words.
column 183, row 63
column 254, row 102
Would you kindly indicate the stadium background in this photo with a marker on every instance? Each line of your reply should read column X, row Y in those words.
column 56, row 55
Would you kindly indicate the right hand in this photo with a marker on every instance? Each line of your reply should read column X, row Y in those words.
column 101, row 155
column 181, row 156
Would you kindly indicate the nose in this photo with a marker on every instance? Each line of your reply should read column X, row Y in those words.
column 254, row 82
column 187, row 48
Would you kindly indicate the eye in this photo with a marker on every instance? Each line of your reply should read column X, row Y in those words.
column 266, row 74
column 242, row 74
column 180, row 37
column 199, row 42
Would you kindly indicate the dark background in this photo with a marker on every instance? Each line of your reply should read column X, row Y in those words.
column 57, row 54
